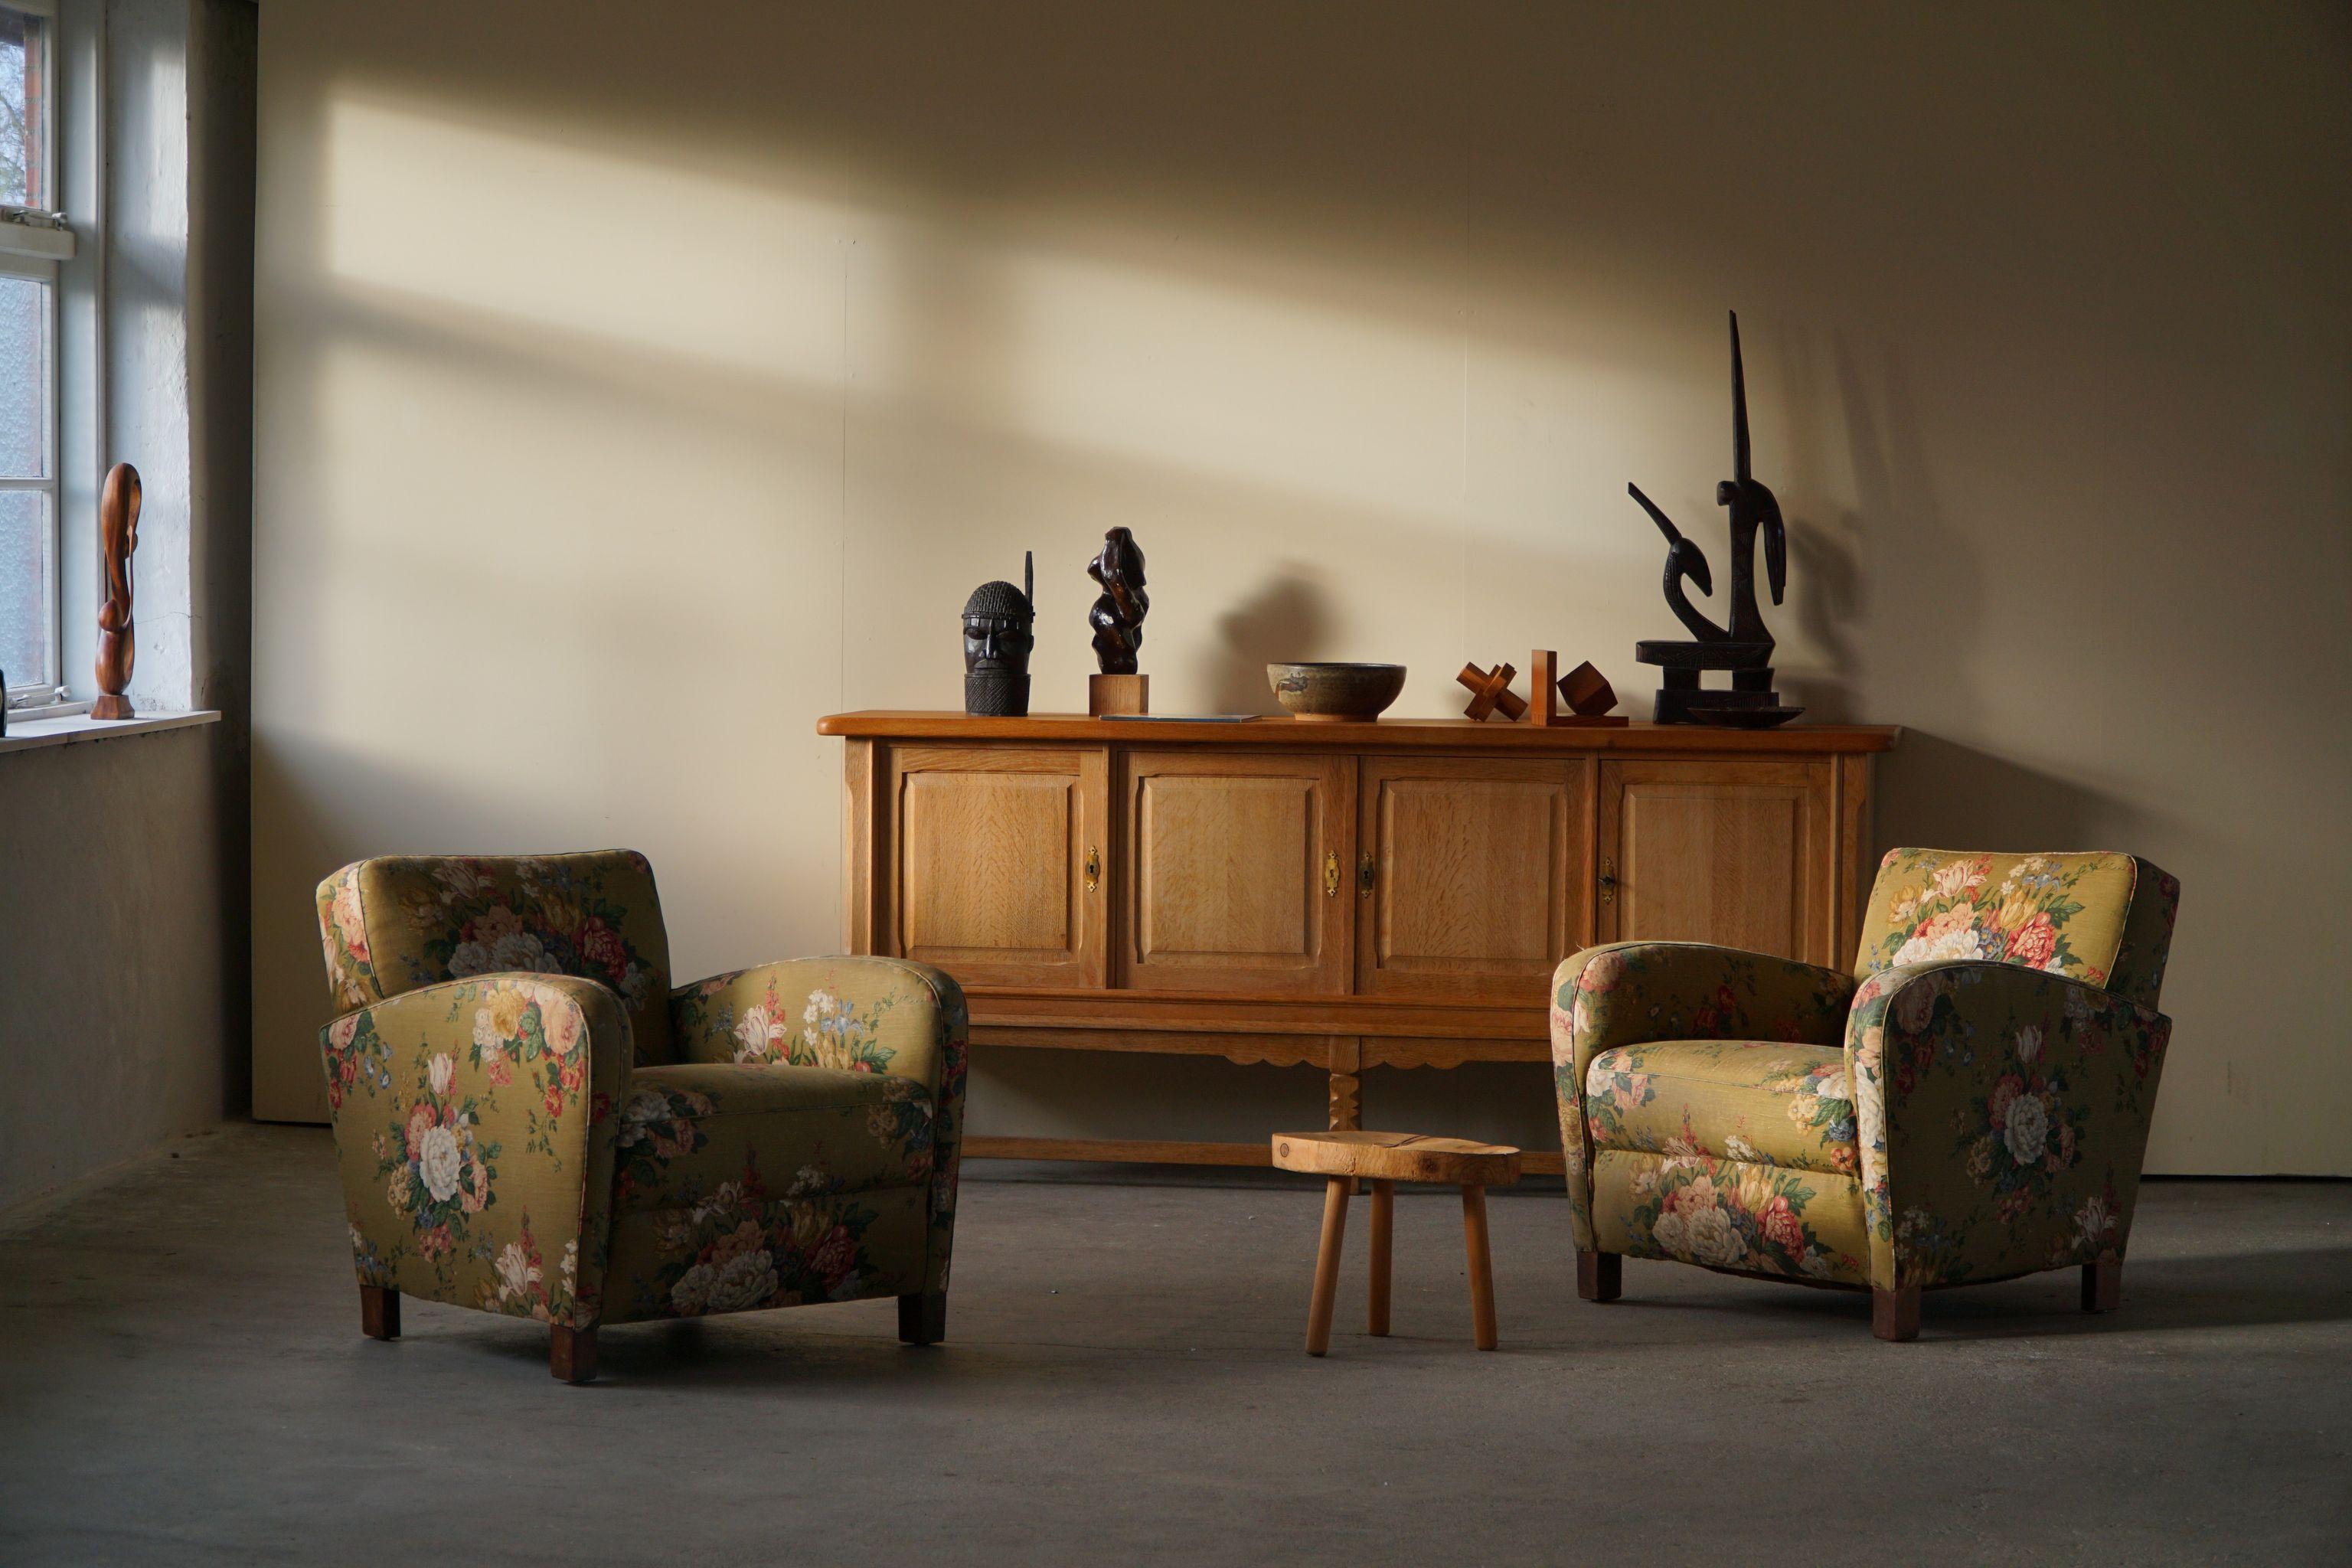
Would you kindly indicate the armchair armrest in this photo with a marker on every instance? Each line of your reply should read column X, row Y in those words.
column 1630, row 993
column 473, row 1124
column 865, row 1015
column 2002, row 1114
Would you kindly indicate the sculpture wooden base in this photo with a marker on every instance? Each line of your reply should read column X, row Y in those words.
column 1118, row 694
column 1752, row 703
column 112, row 705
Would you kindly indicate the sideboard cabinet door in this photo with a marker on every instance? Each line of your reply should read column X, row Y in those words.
column 1736, row 853
column 997, row 858
column 1237, row 872
column 1472, row 875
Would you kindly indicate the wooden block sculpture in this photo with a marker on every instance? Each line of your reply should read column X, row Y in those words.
column 1384, row 1159
column 1584, row 689
column 1490, row 691
column 117, row 532
column 1587, row 691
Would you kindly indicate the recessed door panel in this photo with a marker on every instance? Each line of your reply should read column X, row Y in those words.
column 997, row 863
column 1729, row 853
column 1235, row 872
column 1470, row 868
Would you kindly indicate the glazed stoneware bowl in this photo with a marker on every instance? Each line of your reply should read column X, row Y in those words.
column 1331, row 693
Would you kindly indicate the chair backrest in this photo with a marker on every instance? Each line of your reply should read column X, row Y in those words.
column 397, row 923
column 2099, row 917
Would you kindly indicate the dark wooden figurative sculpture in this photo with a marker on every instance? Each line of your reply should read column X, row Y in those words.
column 117, row 530
column 1118, row 620
column 999, row 630
column 1745, row 647
column 1117, row 615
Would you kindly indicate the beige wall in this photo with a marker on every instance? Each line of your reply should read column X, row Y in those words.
column 637, row 385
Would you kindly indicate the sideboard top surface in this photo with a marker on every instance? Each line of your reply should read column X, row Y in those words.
column 1640, row 738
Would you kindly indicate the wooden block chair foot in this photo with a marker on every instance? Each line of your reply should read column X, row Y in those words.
column 1384, row 1159
column 581, row 1142
column 1895, row 1314
column 1969, row 1101
column 571, row 1355
column 2103, row 1285
column 923, row 1318
column 380, row 1312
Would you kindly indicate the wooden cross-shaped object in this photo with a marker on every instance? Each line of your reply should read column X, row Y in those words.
column 1490, row 689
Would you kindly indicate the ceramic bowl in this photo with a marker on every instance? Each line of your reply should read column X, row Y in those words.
column 1330, row 693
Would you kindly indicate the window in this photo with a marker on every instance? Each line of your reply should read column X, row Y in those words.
column 33, row 241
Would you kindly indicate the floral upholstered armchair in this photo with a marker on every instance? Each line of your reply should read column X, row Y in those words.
column 1972, row 1105
column 530, row 1120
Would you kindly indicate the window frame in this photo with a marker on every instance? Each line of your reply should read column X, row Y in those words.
column 34, row 243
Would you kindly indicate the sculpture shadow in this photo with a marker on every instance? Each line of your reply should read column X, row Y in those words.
column 1895, row 546
column 1283, row 620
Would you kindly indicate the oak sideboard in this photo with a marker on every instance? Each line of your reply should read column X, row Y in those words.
column 1342, row 896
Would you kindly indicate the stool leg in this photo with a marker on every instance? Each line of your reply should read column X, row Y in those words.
column 1327, row 1264
column 1481, row 1266
column 1383, row 1223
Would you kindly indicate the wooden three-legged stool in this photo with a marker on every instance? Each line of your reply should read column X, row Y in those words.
column 1385, row 1159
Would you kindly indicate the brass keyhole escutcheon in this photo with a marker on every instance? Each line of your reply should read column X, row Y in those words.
column 1364, row 875
column 1094, row 867
column 1331, row 874
column 1608, row 881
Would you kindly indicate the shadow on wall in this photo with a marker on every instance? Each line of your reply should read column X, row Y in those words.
column 1950, row 796
column 1834, row 571
column 1284, row 620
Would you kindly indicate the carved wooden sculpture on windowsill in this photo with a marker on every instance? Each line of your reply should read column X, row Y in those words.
column 117, row 530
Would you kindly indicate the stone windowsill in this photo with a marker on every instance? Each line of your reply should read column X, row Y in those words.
column 29, row 734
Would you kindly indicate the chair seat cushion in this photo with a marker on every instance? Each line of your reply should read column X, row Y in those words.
column 696, row 1134
column 1765, row 1102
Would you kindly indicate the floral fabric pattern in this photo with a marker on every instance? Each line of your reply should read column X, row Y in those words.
column 745, row 1249
column 1981, row 1111
column 1754, row 1100
column 686, row 1130
column 453, row 1170
column 1639, row 993
column 2064, row 914
column 511, row 1113
column 394, row 923
column 2002, row 1116
column 1728, row 1213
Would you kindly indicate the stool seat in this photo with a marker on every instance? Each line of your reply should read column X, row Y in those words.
column 1384, row 1159
column 1398, row 1157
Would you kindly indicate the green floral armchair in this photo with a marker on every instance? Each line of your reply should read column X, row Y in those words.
column 1972, row 1104
column 530, row 1119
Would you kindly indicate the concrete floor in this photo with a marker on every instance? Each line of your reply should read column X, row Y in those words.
column 182, row 1380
